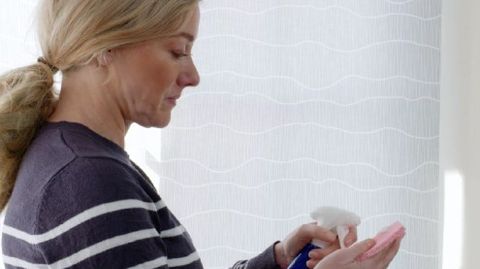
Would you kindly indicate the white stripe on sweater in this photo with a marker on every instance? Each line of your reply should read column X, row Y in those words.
column 175, row 262
column 88, row 252
column 173, row 232
column 108, row 244
column 21, row 263
column 162, row 261
column 82, row 217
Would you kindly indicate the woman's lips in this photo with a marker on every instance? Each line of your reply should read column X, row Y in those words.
column 172, row 101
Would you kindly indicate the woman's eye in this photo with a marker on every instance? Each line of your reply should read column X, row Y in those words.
column 180, row 54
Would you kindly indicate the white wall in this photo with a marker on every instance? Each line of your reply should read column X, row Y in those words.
column 460, row 115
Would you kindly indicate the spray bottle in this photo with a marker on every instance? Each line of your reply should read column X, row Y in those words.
column 334, row 219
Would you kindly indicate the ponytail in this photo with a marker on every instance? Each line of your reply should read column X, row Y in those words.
column 26, row 100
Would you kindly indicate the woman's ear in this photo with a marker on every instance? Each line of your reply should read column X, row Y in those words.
column 105, row 58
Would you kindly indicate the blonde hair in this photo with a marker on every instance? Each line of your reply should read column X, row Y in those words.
column 71, row 34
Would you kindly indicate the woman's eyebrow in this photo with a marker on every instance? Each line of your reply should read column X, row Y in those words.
column 185, row 35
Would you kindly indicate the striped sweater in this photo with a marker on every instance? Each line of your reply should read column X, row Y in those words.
column 80, row 202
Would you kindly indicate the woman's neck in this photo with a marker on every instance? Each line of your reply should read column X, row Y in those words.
column 82, row 101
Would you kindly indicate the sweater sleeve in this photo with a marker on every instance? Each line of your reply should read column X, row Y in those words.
column 95, row 214
column 265, row 260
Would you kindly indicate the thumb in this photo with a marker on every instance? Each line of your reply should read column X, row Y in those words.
column 358, row 249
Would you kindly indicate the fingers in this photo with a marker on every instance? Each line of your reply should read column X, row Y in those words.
column 311, row 263
column 392, row 251
column 383, row 258
column 312, row 231
column 351, row 236
column 303, row 235
column 318, row 254
column 358, row 249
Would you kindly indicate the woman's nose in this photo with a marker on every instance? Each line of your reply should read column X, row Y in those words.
column 189, row 77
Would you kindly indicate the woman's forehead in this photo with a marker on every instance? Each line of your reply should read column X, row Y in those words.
column 189, row 28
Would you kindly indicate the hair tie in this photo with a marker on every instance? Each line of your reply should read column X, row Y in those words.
column 52, row 68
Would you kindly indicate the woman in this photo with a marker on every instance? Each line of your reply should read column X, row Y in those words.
column 76, row 200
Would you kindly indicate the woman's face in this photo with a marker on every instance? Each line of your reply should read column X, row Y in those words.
column 150, row 76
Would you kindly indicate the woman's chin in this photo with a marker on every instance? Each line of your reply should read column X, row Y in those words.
column 161, row 123
column 158, row 122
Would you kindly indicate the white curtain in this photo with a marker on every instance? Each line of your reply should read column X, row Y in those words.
column 303, row 103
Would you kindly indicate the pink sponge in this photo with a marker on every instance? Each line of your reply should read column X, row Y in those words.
column 384, row 238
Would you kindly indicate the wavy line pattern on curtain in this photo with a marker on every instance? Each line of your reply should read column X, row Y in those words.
column 303, row 104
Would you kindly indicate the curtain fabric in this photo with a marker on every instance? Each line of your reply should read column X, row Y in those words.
column 305, row 104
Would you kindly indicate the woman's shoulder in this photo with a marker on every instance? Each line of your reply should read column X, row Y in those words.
column 61, row 148
column 87, row 183
column 67, row 170
column 80, row 141
column 82, row 184
column 93, row 177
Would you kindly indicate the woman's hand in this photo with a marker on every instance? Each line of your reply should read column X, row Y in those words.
column 347, row 258
column 289, row 248
column 317, row 255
